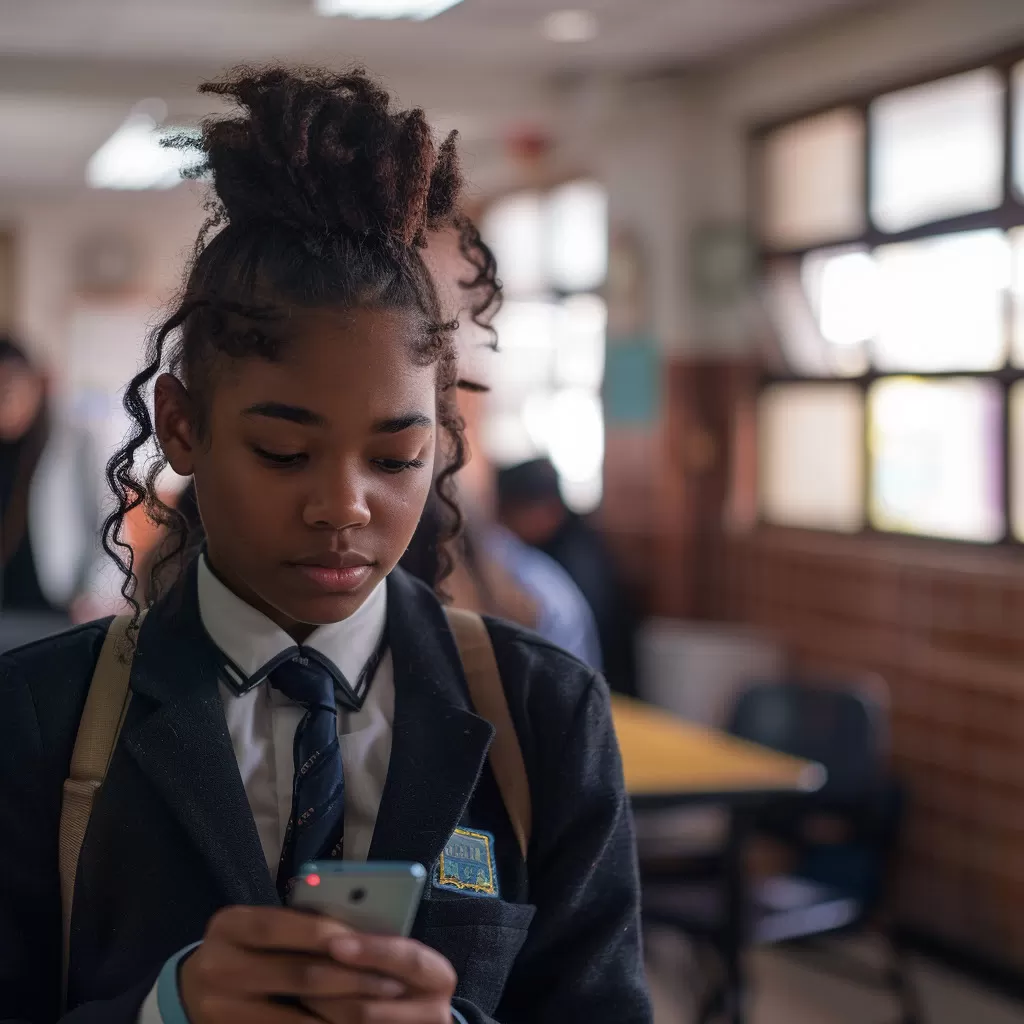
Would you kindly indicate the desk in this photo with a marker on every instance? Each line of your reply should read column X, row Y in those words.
column 670, row 762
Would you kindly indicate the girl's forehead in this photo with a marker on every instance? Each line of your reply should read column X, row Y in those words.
column 353, row 324
column 361, row 361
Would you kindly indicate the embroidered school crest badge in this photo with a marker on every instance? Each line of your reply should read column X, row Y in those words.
column 467, row 864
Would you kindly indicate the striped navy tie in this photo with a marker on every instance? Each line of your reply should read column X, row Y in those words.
column 316, row 826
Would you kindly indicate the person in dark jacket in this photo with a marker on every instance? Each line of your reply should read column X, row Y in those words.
column 530, row 505
column 296, row 696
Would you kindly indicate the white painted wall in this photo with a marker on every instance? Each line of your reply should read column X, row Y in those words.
column 161, row 226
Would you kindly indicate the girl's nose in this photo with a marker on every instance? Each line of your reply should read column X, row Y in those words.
column 339, row 503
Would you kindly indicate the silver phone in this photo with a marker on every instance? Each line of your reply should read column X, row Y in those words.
column 378, row 897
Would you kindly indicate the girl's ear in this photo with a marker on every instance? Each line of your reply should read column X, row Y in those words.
column 175, row 424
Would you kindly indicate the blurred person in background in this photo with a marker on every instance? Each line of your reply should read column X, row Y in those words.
column 50, row 505
column 530, row 505
column 495, row 573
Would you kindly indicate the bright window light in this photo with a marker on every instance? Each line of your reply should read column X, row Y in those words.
column 936, row 457
column 843, row 289
column 133, row 158
column 576, row 434
column 385, row 10
column 577, row 236
column 514, row 229
column 942, row 303
column 937, row 150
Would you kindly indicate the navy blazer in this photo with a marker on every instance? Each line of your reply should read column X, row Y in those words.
column 172, row 838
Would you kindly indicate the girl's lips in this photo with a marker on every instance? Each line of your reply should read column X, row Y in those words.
column 336, row 581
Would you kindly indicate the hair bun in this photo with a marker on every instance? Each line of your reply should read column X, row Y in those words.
column 322, row 153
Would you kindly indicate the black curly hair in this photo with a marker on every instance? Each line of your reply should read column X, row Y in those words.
column 322, row 195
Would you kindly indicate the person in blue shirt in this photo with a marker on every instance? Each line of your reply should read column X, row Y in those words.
column 563, row 615
column 294, row 695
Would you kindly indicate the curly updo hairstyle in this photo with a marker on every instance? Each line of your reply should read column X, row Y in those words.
column 322, row 196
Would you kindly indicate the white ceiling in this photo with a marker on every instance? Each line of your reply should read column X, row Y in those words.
column 496, row 34
column 70, row 69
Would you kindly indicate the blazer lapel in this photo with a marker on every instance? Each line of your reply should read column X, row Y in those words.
column 178, row 735
column 438, row 745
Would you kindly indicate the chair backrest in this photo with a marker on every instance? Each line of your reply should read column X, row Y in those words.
column 842, row 727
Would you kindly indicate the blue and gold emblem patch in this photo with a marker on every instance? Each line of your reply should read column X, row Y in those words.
column 467, row 864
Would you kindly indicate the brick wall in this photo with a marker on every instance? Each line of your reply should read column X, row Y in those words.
column 943, row 624
column 945, row 627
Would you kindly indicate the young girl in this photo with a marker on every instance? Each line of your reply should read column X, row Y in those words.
column 300, row 382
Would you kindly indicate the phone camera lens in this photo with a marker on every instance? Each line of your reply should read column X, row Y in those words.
column 357, row 896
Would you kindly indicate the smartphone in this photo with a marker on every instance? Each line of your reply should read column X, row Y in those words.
column 378, row 897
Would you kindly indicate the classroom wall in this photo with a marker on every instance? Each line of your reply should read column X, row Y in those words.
column 48, row 232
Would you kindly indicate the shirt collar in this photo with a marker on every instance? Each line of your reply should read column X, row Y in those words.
column 253, row 646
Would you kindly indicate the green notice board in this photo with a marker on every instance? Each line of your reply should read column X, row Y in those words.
column 631, row 381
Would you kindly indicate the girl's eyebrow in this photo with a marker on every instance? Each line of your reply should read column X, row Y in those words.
column 307, row 418
column 291, row 413
column 396, row 424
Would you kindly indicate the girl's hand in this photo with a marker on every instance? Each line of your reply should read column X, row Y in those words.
column 251, row 954
column 426, row 976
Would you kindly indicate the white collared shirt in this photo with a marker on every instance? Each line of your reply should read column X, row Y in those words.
column 262, row 721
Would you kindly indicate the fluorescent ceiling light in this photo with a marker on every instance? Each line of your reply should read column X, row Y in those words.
column 133, row 158
column 569, row 27
column 387, row 10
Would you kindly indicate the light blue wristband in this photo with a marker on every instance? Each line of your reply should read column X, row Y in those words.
column 457, row 1017
column 168, row 999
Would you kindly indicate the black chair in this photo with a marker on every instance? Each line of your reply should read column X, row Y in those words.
column 841, row 840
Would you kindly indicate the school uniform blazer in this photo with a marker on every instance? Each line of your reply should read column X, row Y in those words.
column 172, row 837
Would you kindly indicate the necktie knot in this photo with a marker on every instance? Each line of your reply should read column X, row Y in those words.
column 305, row 681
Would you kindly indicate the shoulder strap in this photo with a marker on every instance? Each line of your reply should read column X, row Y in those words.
column 488, row 696
column 105, row 707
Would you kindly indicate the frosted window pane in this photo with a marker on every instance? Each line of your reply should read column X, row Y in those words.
column 1017, row 458
column 514, row 229
column 842, row 287
column 814, row 181
column 527, row 333
column 793, row 299
column 936, row 458
column 1018, row 129
column 580, row 346
column 1017, row 246
column 937, row 150
column 941, row 303
column 577, row 237
column 811, row 456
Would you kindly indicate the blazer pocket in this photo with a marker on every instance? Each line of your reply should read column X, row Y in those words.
column 480, row 937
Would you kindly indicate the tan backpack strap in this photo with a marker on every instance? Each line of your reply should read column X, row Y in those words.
column 488, row 696
column 106, row 705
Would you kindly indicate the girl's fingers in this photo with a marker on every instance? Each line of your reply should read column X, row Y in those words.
column 347, row 1011
column 242, row 972
column 274, row 928
column 229, row 1010
column 419, row 967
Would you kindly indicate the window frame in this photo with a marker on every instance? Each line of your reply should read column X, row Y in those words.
column 1005, row 217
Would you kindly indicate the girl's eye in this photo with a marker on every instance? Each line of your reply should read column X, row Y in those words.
column 394, row 466
column 279, row 459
